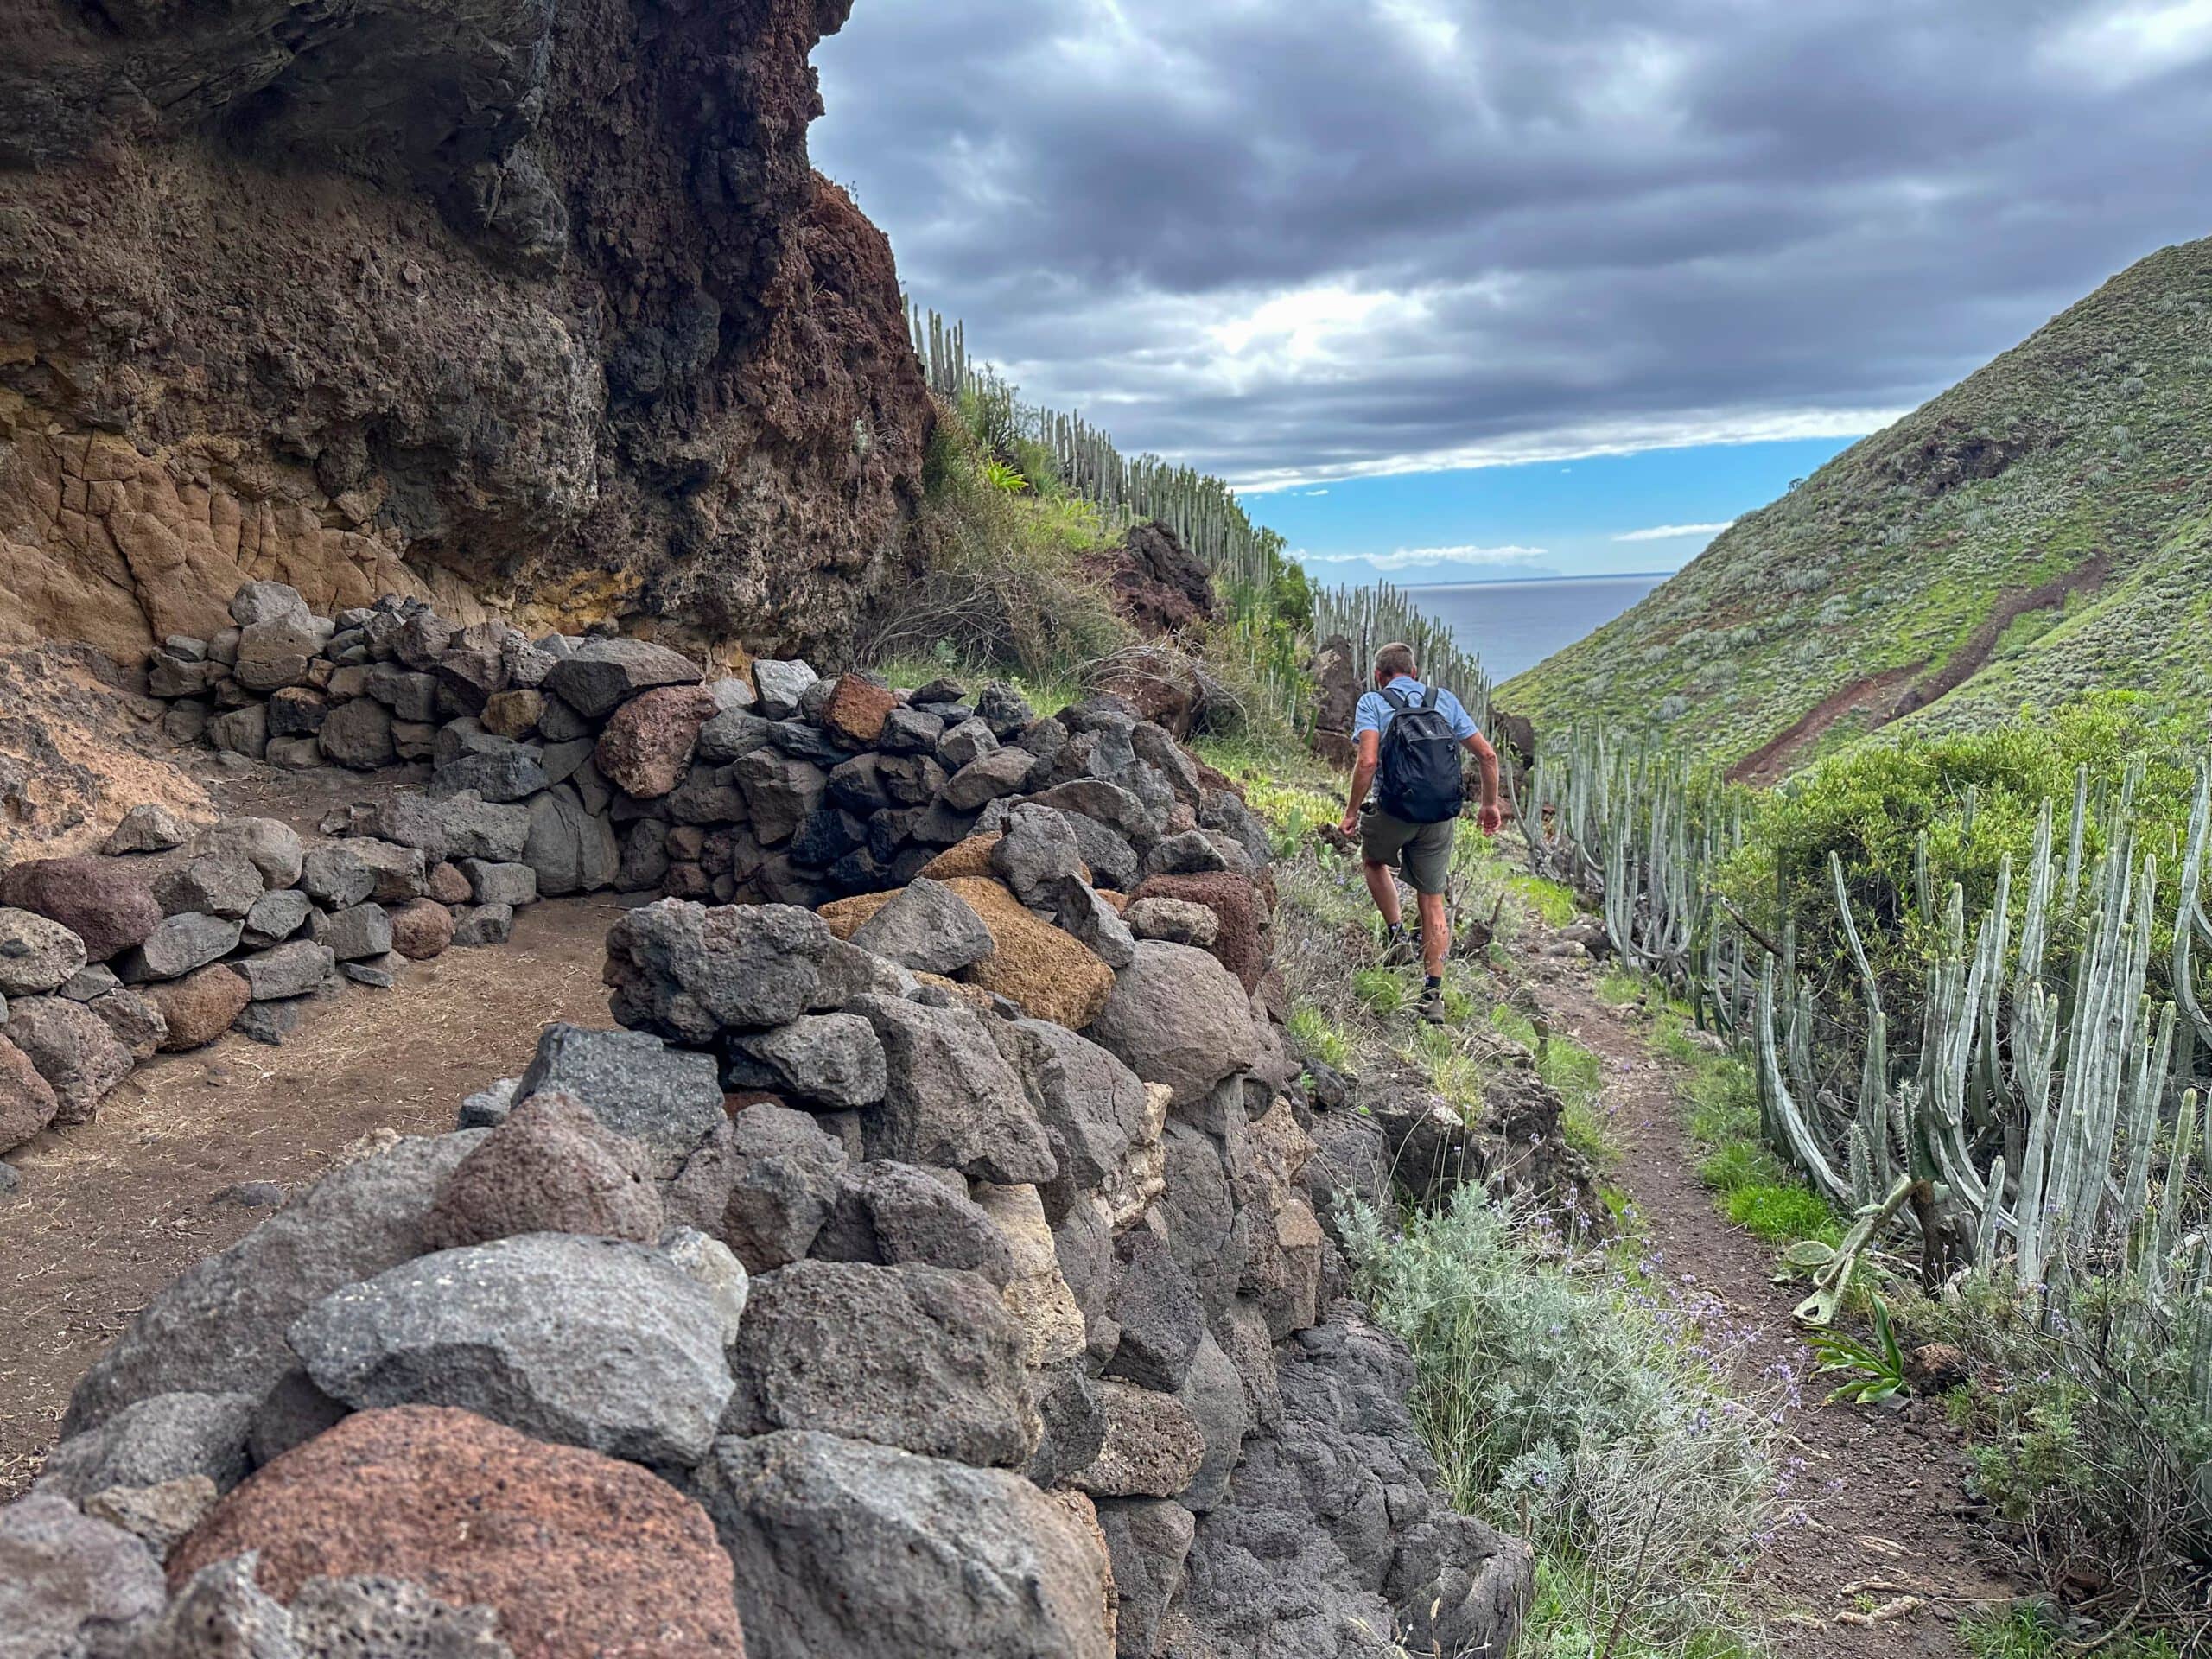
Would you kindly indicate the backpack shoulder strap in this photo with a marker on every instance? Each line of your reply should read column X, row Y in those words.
column 1395, row 698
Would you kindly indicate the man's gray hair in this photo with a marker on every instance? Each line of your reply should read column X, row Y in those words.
column 1393, row 660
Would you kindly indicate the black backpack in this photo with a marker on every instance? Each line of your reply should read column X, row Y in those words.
column 1420, row 780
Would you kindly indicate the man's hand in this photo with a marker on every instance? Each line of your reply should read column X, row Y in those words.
column 1349, row 822
column 1493, row 819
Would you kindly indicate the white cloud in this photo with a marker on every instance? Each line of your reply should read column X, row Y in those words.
column 1584, row 442
column 2116, row 46
column 1412, row 558
column 1672, row 532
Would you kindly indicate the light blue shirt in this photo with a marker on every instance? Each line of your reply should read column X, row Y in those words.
column 1374, row 712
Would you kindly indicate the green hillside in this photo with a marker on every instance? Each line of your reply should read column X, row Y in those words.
column 2044, row 527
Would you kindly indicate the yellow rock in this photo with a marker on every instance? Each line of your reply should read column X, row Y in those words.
column 1052, row 974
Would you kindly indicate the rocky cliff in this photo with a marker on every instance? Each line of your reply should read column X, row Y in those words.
column 531, row 303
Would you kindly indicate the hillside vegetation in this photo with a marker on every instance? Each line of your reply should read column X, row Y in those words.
column 2038, row 531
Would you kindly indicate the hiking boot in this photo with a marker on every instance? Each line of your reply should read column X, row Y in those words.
column 1431, row 1006
column 1400, row 950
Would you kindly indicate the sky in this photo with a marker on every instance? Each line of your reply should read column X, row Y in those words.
column 1528, row 287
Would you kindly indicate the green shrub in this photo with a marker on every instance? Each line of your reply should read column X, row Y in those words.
column 1871, row 804
column 1562, row 1403
column 2098, row 1444
column 996, row 583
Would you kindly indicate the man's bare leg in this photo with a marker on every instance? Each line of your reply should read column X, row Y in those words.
column 1435, row 933
column 1383, row 888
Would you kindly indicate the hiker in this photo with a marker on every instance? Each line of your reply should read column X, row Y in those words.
column 1409, row 736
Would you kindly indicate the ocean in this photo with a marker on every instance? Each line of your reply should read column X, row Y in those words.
column 1513, row 626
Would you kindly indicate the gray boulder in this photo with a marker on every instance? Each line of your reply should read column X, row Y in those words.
column 293, row 969
column 953, row 1102
column 1093, row 1107
column 989, row 778
column 274, row 917
column 36, row 956
column 70, row 1047
column 781, row 684
column 219, row 1327
column 1213, row 1393
column 356, row 934
column 786, row 1182
column 1096, row 924
column 690, row 972
column 1149, row 1540
column 72, row 1587
column 137, row 1020
column 1126, row 814
column 217, row 884
column 847, row 1548
column 573, row 850
column 242, row 731
column 167, row 1437
column 1177, row 1016
column 358, row 735
column 149, row 829
column 927, row 928
column 1037, row 856
column 460, row 828
column 920, row 1357
column 410, row 694
column 890, row 1214
column 268, row 601
column 480, row 925
column 1197, row 852
column 272, row 847
column 500, row 884
column 334, row 876
column 1172, row 921
column 970, row 740
column 732, row 733
column 180, row 945
column 780, row 791
column 600, row 675
column 511, row 772
column 588, row 1342
column 832, row 1059
column 1158, row 1311
column 664, row 1099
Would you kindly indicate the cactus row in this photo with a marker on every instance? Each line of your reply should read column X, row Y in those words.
column 1371, row 617
column 1245, row 558
column 2040, row 1103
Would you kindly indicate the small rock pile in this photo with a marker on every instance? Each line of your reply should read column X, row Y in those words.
column 946, row 1273
column 176, row 933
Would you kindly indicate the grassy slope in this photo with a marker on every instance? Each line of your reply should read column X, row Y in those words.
column 2089, row 439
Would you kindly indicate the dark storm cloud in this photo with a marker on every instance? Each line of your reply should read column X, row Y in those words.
column 1321, row 235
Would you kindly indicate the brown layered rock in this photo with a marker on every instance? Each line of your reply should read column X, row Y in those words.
column 580, row 1556
column 583, row 257
column 1051, row 975
column 647, row 745
column 552, row 1167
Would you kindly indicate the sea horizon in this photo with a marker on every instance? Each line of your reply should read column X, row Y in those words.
column 1530, row 581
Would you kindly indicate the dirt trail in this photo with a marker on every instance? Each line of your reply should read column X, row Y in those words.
column 1878, row 1504
column 110, row 1212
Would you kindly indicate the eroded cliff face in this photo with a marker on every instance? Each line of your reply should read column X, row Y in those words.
column 534, row 304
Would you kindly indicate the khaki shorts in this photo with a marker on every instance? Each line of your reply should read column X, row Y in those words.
column 1423, row 851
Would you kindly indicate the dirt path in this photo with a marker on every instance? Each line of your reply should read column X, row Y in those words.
column 111, row 1210
column 1876, row 1508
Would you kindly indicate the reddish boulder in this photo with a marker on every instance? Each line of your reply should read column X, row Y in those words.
column 449, row 885
column 552, row 1167
column 582, row 1557
column 647, row 747
column 27, row 1101
column 421, row 929
column 200, row 1007
column 1235, row 904
column 103, row 901
column 858, row 706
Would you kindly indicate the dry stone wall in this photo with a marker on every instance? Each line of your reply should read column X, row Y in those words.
column 942, row 1269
